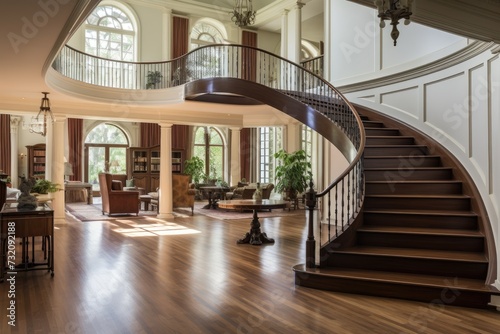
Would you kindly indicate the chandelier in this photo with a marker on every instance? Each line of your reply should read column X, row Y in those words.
column 394, row 10
column 243, row 14
column 37, row 126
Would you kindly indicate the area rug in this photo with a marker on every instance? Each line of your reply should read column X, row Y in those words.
column 93, row 212
column 233, row 214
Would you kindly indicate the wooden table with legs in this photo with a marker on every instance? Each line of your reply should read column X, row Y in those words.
column 26, row 225
column 255, row 236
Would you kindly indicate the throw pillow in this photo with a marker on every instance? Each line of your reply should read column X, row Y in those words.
column 130, row 183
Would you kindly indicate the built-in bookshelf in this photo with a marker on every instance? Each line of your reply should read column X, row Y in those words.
column 145, row 166
column 36, row 161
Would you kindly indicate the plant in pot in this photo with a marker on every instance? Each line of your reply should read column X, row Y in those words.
column 292, row 174
column 196, row 168
column 153, row 78
column 43, row 186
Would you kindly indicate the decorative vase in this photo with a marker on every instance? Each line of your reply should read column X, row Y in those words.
column 257, row 195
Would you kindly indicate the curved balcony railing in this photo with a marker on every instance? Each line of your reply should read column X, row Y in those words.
column 335, row 118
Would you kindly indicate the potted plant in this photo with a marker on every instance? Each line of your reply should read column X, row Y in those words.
column 196, row 168
column 292, row 173
column 43, row 186
column 153, row 77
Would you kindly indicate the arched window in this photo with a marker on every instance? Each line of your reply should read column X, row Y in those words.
column 209, row 147
column 105, row 150
column 109, row 33
column 206, row 32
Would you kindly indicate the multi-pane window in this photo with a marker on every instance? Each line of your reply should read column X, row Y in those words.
column 110, row 34
column 209, row 147
column 105, row 150
column 204, row 33
column 306, row 140
column 270, row 142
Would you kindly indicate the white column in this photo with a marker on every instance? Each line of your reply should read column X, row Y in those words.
column 235, row 162
column 284, row 34
column 165, row 192
column 294, row 36
column 293, row 137
column 167, row 32
column 14, row 150
column 57, row 167
column 327, row 31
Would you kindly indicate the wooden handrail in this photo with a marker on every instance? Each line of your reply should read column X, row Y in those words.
column 289, row 87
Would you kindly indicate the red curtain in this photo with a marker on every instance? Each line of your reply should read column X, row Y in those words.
column 180, row 36
column 5, row 144
column 151, row 132
column 249, row 56
column 75, row 143
column 245, row 153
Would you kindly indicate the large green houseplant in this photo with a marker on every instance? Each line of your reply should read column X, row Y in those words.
column 196, row 168
column 293, row 173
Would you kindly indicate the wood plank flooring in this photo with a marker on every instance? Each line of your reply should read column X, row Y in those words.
column 188, row 275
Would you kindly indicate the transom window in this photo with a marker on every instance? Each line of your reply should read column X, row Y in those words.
column 110, row 34
column 204, row 33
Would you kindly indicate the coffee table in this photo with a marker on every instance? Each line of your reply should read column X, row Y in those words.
column 255, row 236
column 212, row 200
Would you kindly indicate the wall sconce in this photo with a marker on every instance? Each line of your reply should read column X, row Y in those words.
column 21, row 156
column 37, row 126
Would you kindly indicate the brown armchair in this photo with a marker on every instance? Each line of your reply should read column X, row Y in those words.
column 183, row 192
column 115, row 199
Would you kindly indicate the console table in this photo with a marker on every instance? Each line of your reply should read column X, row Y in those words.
column 255, row 236
column 26, row 225
column 72, row 186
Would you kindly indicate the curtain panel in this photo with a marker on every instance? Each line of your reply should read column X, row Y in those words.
column 249, row 57
column 5, row 151
column 75, row 144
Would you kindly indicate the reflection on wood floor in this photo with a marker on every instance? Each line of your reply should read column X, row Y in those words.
column 188, row 275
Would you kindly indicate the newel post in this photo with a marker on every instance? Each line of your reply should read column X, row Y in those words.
column 311, row 243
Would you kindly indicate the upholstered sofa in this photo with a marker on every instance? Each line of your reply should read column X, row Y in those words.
column 115, row 200
column 246, row 192
column 183, row 193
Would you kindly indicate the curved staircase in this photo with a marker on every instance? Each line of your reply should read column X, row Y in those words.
column 422, row 236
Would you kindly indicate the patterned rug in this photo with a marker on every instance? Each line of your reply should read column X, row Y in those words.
column 84, row 212
column 93, row 212
column 224, row 214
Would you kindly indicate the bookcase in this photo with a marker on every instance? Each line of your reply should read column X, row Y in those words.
column 36, row 161
column 145, row 166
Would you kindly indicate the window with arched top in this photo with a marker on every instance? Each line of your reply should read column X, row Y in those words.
column 209, row 147
column 110, row 33
column 205, row 33
column 105, row 151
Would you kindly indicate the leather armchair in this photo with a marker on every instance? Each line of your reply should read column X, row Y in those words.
column 115, row 199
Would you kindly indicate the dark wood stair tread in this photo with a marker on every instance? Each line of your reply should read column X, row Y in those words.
column 416, row 196
column 415, row 181
column 402, row 278
column 415, row 253
column 422, row 231
column 423, row 212
column 415, row 156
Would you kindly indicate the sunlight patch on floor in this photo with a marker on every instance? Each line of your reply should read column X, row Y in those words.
column 157, row 227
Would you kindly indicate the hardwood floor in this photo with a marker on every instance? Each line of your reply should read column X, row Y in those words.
column 188, row 275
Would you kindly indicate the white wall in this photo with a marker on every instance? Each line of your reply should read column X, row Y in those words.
column 456, row 101
column 359, row 49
